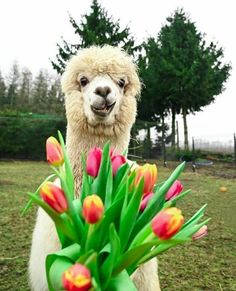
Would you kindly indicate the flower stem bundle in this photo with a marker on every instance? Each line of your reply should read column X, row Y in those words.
column 121, row 219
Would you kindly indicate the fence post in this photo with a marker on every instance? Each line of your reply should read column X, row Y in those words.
column 193, row 155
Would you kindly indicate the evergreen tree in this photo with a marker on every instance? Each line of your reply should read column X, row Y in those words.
column 154, row 105
column 39, row 100
column 2, row 92
column 25, row 89
column 195, row 73
column 13, row 80
column 96, row 28
column 55, row 97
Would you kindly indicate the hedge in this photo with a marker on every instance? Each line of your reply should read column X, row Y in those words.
column 24, row 137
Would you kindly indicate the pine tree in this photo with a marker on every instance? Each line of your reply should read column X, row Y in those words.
column 25, row 89
column 13, row 80
column 39, row 100
column 195, row 73
column 96, row 28
column 2, row 92
column 55, row 97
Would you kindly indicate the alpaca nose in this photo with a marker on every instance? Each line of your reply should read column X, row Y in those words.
column 103, row 91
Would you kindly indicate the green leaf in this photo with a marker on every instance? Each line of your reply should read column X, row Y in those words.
column 141, row 236
column 196, row 217
column 109, row 187
column 168, row 183
column 68, row 170
column 57, row 263
column 99, row 184
column 131, row 256
column 120, row 177
column 121, row 282
column 130, row 214
column 28, row 205
column 86, row 182
column 107, row 266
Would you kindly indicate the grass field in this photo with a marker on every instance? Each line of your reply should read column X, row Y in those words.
column 207, row 264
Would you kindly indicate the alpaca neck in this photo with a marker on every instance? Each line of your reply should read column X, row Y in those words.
column 78, row 143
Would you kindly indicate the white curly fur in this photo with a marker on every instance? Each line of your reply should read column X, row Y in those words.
column 102, row 66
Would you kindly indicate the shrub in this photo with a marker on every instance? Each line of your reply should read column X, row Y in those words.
column 24, row 137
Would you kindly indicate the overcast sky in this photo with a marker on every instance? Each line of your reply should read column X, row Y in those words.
column 30, row 29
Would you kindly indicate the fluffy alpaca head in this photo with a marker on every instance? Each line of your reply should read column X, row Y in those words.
column 100, row 86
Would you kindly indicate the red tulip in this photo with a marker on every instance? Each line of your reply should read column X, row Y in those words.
column 54, row 196
column 200, row 233
column 174, row 190
column 94, row 161
column 149, row 173
column 116, row 162
column 145, row 201
column 167, row 223
column 93, row 209
column 54, row 152
column 77, row 278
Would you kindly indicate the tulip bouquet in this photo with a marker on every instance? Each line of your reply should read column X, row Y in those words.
column 121, row 219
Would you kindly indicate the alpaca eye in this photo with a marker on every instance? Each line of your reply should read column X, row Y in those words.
column 121, row 83
column 84, row 81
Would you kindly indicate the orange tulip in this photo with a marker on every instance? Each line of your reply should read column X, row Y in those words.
column 77, row 278
column 54, row 152
column 93, row 209
column 149, row 173
column 167, row 223
column 54, row 196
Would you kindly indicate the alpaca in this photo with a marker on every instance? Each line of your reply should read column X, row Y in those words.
column 100, row 86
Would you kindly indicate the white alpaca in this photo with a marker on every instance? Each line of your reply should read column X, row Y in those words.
column 100, row 86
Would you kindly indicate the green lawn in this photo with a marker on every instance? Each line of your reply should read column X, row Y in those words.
column 208, row 264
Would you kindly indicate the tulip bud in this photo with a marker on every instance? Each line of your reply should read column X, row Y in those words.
column 94, row 161
column 200, row 233
column 116, row 162
column 77, row 278
column 145, row 201
column 174, row 190
column 149, row 173
column 54, row 196
column 167, row 223
column 93, row 209
column 54, row 152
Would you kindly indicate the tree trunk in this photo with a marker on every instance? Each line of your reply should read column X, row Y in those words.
column 173, row 127
column 177, row 135
column 148, row 141
column 184, row 112
column 163, row 139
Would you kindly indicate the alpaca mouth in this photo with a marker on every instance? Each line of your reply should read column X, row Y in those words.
column 103, row 111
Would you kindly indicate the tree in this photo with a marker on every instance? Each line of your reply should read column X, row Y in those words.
column 39, row 100
column 13, row 80
column 96, row 28
column 195, row 70
column 154, row 105
column 2, row 91
column 25, row 89
column 55, row 97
